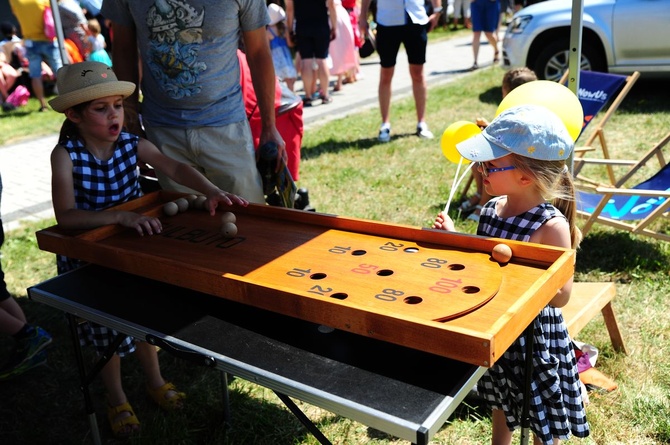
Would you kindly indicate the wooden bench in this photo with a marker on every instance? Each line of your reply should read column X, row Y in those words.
column 586, row 300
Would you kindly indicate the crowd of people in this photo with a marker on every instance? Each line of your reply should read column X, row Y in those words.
column 30, row 62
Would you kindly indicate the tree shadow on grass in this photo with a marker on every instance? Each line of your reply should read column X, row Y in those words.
column 46, row 404
column 491, row 96
column 647, row 96
column 336, row 146
column 620, row 254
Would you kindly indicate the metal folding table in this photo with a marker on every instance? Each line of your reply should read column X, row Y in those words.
column 398, row 390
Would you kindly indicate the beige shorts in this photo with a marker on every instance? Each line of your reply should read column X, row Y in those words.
column 225, row 155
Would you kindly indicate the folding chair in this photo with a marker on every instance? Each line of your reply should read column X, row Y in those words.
column 595, row 91
column 618, row 206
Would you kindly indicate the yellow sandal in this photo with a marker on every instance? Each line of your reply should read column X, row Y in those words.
column 122, row 427
column 159, row 395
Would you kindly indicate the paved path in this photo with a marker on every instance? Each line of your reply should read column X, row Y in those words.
column 26, row 172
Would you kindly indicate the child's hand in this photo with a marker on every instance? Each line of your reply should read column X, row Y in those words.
column 481, row 122
column 219, row 196
column 444, row 222
column 144, row 225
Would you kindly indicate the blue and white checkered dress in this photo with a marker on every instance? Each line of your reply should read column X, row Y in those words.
column 556, row 407
column 99, row 185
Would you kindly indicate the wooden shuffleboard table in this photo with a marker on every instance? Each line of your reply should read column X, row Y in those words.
column 425, row 289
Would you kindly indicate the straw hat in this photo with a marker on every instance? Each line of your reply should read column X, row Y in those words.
column 276, row 13
column 86, row 81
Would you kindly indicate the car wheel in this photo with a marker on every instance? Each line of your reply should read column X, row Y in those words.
column 553, row 60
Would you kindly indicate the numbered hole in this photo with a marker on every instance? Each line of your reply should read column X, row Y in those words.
column 413, row 300
column 411, row 250
column 470, row 289
column 318, row 276
column 359, row 252
column 339, row 296
column 384, row 272
column 456, row 267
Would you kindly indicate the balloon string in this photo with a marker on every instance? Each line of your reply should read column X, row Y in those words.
column 457, row 182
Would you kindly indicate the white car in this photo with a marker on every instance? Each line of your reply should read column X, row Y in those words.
column 618, row 36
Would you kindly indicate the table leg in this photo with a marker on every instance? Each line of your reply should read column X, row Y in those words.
column 303, row 419
column 525, row 414
column 225, row 400
column 85, row 378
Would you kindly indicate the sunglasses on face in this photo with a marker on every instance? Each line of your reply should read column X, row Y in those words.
column 487, row 171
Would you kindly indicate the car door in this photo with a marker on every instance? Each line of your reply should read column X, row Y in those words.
column 641, row 35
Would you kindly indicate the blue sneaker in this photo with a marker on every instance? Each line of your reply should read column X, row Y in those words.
column 36, row 360
column 28, row 347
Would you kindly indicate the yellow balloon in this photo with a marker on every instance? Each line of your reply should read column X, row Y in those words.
column 552, row 95
column 455, row 134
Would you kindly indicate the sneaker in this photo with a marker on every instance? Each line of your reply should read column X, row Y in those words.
column 384, row 134
column 423, row 132
column 28, row 347
column 36, row 360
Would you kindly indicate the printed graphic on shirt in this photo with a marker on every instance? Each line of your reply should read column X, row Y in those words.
column 175, row 38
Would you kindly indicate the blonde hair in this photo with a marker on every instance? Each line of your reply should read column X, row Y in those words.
column 94, row 26
column 554, row 182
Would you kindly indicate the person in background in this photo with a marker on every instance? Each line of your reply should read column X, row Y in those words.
column 95, row 167
column 39, row 48
column 315, row 28
column 192, row 107
column 8, row 76
column 406, row 22
column 485, row 16
column 75, row 26
column 30, row 340
column 343, row 50
column 512, row 79
column 522, row 156
column 281, row 53
column 97, row 42
column 461, row 9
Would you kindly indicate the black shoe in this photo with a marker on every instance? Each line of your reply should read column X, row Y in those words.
column 301, row 199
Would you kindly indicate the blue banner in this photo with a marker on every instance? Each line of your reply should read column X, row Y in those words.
column 629, row 208
column 595, row 90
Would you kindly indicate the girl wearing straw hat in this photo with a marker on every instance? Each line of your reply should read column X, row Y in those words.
column 94, row 167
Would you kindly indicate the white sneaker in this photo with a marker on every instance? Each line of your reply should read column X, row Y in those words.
column 384, row 134
column 423, row 132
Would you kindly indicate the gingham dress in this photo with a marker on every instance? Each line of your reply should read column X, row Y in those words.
column 97, row 186
column 556, row 407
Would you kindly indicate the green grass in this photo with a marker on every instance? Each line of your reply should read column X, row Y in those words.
column 406, row 181
column 27, row 122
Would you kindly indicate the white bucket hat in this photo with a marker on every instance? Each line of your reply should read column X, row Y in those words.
column 277, row 13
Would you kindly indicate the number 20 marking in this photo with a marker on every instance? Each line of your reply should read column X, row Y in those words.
column 391, row 247
column 320, row 290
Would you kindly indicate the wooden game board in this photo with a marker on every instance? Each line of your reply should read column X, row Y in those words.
column 430, row 290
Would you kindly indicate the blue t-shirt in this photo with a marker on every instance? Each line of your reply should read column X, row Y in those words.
column 188, row 49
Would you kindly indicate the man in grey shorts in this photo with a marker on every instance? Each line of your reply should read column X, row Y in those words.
column 192, row 106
